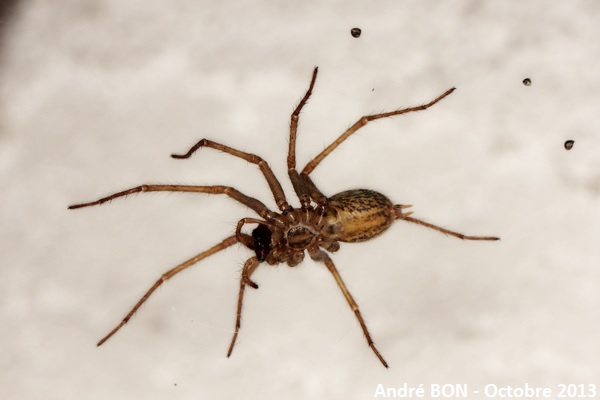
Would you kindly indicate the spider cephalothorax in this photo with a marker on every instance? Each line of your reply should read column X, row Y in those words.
column 315, row 228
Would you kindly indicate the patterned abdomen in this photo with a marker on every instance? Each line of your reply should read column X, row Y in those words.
column 359, row 214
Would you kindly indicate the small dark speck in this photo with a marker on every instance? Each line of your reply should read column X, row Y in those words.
column 355, row 32
column 527, row 82
column 569, row 144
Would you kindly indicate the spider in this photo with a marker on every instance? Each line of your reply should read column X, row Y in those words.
column 317, row 227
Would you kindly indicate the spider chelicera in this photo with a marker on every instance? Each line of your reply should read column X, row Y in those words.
column 316, row 227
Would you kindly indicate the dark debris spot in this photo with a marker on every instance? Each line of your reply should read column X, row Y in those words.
column 569, row 144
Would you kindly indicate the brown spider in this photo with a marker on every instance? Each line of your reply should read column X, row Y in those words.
column 316, row 227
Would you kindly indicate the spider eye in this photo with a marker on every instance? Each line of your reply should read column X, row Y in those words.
column 262, row 241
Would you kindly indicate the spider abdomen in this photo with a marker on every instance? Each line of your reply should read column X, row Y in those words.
column 358, row 215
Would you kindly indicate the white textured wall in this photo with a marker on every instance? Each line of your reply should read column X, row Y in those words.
column 95, row 96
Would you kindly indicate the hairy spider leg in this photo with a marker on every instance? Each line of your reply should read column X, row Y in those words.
column 362, row 122
column 235, row 194
column 300, row 187
column 320, row 255
column 167, row 275
column 249, row 267
column 273, row 182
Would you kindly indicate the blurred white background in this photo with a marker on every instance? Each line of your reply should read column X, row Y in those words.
column 95, row 96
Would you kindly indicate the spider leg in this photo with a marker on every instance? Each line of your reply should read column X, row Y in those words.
column 299, row 186
column 250, row 202
column 291, row 160
column 314, row 193
column 274, row 184
column 167, row 275
column 249, row 267
column 405, row 217
column 320, row 255
column 362, row 122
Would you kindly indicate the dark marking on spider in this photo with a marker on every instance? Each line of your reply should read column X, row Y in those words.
column 316, row 227
column 262, row 241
